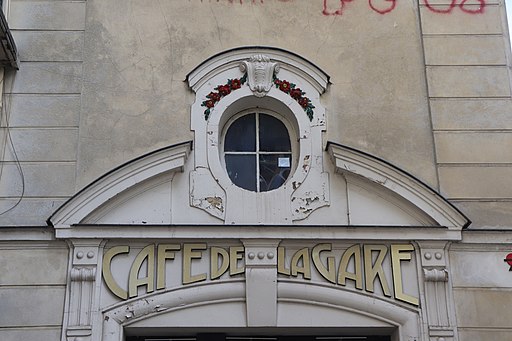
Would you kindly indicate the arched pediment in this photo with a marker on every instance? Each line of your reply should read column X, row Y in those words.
column 118, row 185
column 363, row 168
column 153, row 190
column 287, row 60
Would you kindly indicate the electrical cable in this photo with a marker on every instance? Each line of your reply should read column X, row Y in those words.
column 6, row 112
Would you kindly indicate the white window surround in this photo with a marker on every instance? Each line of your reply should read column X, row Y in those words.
column 294, row 200
column 6, row 4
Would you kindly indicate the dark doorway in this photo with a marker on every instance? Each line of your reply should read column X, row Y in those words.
column 224, row 337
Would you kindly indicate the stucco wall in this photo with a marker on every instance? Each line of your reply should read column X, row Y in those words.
column 32, row 290
column 101, row 82
column 482, row 290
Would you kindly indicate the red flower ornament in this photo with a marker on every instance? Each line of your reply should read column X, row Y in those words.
column 214, row 96
column 284, row 86
column 235, row 84
column 224, row 90
column 296, row 93
column 304, row 101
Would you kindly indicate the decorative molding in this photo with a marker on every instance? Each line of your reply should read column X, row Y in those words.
column 277, row 231
column 305, row 297
column 297, row 94
column 261, row 281
column 83, row 274
column 222, row 90
column 351, row 161
column 107, row 187
column 116, row 317
column 435, row 275
column 260, row 71
column 232, row 58
column 439, row 305
column 81, row 296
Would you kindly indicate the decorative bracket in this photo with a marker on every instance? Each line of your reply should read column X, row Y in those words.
column 260, row 71
column 439, row 302
column 83, row 275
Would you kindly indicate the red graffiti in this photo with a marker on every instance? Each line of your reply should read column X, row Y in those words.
column 253, row 1
column 337, row 7
column 463, row 5
column 241, row 1
column 388, row 6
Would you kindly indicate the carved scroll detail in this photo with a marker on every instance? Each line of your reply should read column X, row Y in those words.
column 436, row 275
column 83, row 274
column 260, row 71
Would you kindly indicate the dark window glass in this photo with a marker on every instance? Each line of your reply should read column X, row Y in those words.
column 258, row 152
column 272, row 175
column 241, row 136
column 242, row 170
column 273, row 135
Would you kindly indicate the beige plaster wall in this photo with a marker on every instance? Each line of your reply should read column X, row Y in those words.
column 468, row 73
column 138, row 54
column 482, row 291
column 42, row 109
column 101, row 82
column 32, row 289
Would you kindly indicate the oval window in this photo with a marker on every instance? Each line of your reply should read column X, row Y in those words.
column 257, row 152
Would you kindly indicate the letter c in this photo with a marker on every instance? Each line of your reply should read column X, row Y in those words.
column 107, row 272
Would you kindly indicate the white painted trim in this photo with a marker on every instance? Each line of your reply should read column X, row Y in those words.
column 288, row 61
column 112, row 184
column 115, row 318
column 288, row 232
column 406, row 319
column 127, row 312
column 306, row 189
column 351, row 161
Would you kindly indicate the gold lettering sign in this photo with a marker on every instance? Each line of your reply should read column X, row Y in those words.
column 398, row 253
column 107, row 272
column 164, row 253
column 148, row 269
column 192, row 251
column 329, row 272
column 357, row 275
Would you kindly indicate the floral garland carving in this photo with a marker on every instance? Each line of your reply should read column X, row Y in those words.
column 222, row 90
column 297, row 94
column 236, row 83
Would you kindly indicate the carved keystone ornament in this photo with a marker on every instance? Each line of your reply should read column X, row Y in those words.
column 260, row 71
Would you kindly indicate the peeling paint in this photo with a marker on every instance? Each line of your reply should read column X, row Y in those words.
column 295, row 185
column 305, row 166
column 216, row 202
column 202, row 196
column 310, row 196
column 309, row 201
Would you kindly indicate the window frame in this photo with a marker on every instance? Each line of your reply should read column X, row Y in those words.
column 292, row 135
column 259, row 74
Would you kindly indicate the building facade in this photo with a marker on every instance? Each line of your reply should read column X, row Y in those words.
column 256, row 170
